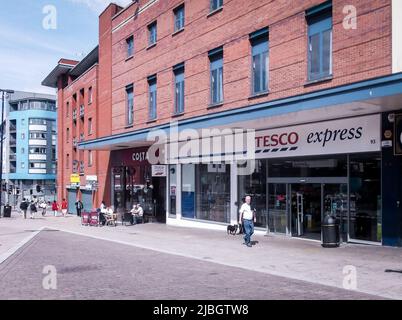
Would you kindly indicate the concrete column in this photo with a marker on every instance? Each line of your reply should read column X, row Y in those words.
column 233, row 193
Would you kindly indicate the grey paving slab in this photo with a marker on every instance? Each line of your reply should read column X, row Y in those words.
column 274, row 255
column 88, row 268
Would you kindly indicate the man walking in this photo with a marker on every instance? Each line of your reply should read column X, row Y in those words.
column 24, row 207
column 247, row 218
column 33, row 209
column 79, row 206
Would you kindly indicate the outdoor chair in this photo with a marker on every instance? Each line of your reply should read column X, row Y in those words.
column 111, row 220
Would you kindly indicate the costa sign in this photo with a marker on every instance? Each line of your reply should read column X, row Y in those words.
column 350, row 135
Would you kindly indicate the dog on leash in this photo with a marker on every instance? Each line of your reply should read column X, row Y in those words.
column 232, row 229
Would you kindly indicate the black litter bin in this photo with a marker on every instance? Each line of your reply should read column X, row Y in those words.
column 7, row 212
column 330, row 232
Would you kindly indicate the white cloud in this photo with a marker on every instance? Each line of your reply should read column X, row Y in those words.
column 99, row 5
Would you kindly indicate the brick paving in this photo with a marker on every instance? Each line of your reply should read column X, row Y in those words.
column 89, row 268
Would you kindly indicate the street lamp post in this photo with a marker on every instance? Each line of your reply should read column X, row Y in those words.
column 3, row 92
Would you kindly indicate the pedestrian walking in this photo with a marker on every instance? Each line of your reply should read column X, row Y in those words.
column 64, row 206
column 247, row 218
column 43, row 206
column 33, row 209
column 24, row 207
column 55, row 208
column 79, row 206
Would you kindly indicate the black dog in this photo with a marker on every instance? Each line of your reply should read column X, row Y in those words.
column 232, row 229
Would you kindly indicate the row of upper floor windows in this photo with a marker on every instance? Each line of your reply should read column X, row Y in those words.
column 33, row 105
column 79, row 165
column 72, row 106
column 179, row 23
column 319, row 67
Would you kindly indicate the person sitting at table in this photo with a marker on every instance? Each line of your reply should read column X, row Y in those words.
column 137, row 213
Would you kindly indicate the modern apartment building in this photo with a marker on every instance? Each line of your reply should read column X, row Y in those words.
column 29, row 150
column 318, row 83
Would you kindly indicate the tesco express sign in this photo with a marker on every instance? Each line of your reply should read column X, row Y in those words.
column 350, row 135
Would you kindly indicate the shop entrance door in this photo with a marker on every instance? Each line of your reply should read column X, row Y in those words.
column 278, row 208
column 160, row 198
column 306, row 213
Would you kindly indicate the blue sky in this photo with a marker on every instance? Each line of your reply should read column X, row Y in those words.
column 28, row 51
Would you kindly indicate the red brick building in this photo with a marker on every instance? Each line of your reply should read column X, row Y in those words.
column 261, row 65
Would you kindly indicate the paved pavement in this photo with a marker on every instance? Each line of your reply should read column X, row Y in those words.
column 289, row 259
column 99, row 269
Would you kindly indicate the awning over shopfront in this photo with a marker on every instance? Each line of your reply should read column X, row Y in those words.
column 362, row 98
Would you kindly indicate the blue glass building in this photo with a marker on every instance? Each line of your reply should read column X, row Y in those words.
column 29, row 150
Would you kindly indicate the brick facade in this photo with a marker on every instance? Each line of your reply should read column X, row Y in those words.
column 358, row 55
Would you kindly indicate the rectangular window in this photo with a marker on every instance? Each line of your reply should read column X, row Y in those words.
column 90, row 95
column 152, row 97
column 68, row 109
column 216, row 75
column 319, row 21
column 130, row 46
column 130, row 104
column 90, row 159
column 152, row 31
column 37, row 150
column 179, row 88
column 178, row 18
column 90, row 126
column 260, row 61
column 68, row 161
column 38, row 135
column 215, row 4
column 68, row 135
column 22, row 165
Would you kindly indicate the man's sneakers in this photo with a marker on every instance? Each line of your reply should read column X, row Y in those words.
column 247, row 244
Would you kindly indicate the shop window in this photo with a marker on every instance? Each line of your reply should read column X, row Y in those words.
column 213, row 192
column 188, row 191
column 255, row 186
column 206, row 192
column 365, row 197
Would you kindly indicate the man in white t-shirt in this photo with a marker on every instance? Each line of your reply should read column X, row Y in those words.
column 247, row 218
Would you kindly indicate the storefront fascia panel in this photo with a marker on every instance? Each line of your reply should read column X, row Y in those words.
column 366, row 92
